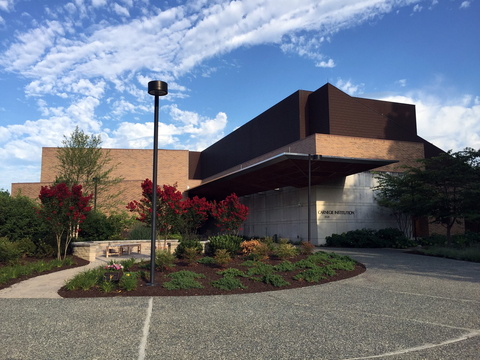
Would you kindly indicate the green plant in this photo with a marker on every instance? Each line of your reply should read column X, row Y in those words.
column 232, row 272
column 183, row 280
column 285, row 251
column 164, row 260
column 129, row 281
column 127, row 264
column 188, row 244
column 222, row 257
column 207, row 260
column 9, row 251
column 228, row 283
column 86, row 279
column 139, row 231
column 19, row 219
column 275, row 280
column 259, row 252
column 96, row 227
column 107, row 286
column 285, row 266
column 184, row 274
column 190, row 255
column 230, row 243
column 315, row 274
column 261, row 269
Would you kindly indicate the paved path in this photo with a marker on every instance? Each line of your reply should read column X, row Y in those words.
column 403, row 307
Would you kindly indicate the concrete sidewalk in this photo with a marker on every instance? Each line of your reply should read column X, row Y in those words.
column 47, row 286
column 403, row 307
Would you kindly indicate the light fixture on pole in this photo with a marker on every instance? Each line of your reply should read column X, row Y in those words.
column 155, row 88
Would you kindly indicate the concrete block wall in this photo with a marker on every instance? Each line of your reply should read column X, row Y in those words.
column 337, row 207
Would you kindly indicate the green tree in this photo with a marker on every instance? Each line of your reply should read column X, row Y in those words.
column 446, row 188
column 82, row 161
column 19, row 219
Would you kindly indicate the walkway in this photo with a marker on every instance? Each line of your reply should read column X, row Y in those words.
column 403, row 307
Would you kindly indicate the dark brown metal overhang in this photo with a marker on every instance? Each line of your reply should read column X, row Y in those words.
column 284, row 170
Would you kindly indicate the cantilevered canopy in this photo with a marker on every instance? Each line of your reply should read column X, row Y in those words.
column 286, row 169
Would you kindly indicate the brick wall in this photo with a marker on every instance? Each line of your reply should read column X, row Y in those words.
column 404, row 151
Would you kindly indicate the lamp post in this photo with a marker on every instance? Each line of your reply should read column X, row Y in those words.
column 155, row 88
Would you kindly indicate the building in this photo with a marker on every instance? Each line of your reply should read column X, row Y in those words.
column 324, row 138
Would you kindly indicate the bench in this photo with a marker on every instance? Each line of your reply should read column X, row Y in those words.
column 120, row 249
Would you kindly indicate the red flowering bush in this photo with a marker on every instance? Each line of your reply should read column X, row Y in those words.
column 63, row 209
column 229, row 214
column 186, row 215
column 169, row 207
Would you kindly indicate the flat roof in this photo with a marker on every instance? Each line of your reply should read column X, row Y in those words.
column 282, row 170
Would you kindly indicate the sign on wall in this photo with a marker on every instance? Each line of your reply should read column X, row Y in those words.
column 337, row 214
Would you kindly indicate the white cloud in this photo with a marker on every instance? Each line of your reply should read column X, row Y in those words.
column 417, row 8
column 401, row 82
column 465, row 4
column 6, row 5
column 326, row 64
column 120, row 10
column 99, row 3
column 349, row 87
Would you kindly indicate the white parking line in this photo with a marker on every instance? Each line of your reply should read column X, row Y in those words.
column 146, row 326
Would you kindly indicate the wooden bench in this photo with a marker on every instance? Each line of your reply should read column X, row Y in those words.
column 120, row 249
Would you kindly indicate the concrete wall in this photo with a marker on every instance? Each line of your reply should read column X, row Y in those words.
column 344, row 205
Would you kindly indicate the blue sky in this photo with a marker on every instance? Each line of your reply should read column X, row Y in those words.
column 88, row 62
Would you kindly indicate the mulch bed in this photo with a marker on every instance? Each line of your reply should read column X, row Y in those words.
column 210, row 272
column 77, row 262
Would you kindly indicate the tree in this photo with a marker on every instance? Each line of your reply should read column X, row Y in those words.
column 63, row 209
column 82, row 161
column 18, row 218
column 194, row 215
column 229, row 214
column 446, row 188
column 168, row 206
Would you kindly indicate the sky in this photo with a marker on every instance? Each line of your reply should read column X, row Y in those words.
column 87, row 63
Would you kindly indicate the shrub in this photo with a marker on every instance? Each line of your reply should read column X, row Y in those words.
column 183, row 279
column 190, row 255
column 275, row 280
column 306, row 248
column 315, row 274
column 232, row 272
column 285, row 266
column 18, row 218
column 139, row 232
column 9, row 251
column 164, row 260
column 285, row 251
column 86, row 279
column 26, row 247
column 129, row 281
column 230, row 243
column 261, row 269
column 207, row 260
column 185, row 244
column 127, row 264
column 96, row 227
column 260, row 252
column 222, row 257
column 369, row 238
column 248, row 246
column 228, row 283
column 391, row 237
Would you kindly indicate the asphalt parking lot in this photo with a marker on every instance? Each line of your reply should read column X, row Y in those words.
column 403, row 307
